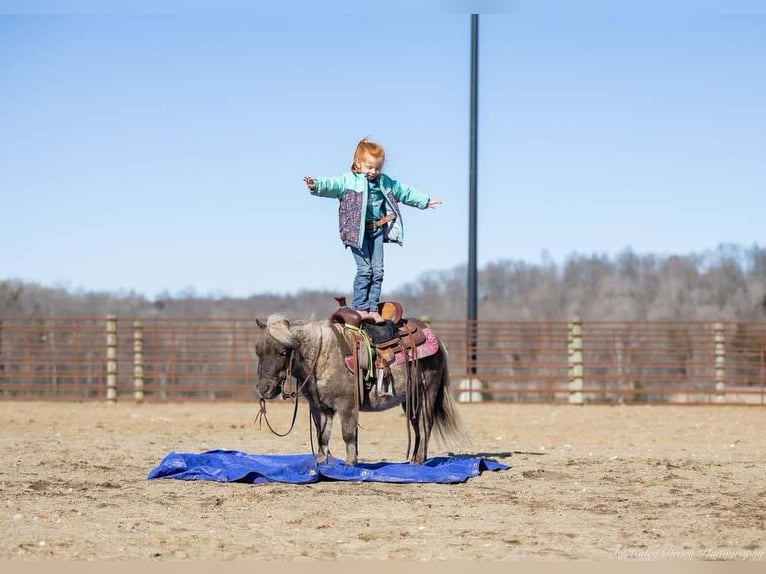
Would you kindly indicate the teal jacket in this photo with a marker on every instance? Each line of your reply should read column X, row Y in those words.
column 351, row 190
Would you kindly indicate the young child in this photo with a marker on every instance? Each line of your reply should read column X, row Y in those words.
column 368, row 217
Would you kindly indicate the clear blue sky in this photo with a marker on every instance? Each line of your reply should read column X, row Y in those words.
column 160, row 149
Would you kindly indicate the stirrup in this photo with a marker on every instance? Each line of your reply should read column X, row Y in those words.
column 383, row 388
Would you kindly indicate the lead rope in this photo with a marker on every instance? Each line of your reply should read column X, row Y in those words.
column 261, row 416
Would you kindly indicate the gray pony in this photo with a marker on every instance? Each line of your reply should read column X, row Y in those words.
column 311, row 352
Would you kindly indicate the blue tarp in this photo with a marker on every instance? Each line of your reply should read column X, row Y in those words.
column 236, row 466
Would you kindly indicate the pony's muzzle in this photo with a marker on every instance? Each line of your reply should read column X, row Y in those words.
column 268, row 387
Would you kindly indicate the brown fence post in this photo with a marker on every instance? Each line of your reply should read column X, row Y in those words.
column 575, row 361
column 138, row 362
column 470, row 384
column 619, row 359
column 111, row 359
column 719, row 353
column 471, row 389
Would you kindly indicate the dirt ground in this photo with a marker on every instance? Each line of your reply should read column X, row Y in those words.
column 592, row 482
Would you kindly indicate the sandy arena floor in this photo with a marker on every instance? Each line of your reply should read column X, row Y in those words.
column 592, row 482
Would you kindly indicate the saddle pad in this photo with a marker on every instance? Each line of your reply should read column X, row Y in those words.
column 236, row 466
column 427, row 349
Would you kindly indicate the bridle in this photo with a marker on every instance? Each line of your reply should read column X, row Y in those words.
column 295, row 394
column 282, row 380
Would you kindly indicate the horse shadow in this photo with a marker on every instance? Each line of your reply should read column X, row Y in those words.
column 500, row 454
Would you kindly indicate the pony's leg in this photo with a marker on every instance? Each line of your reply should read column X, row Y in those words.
column 323, row 423
column 413, row 419
column 420, row 451
column 427, row 424
column 349, row 428
column 431, row 393
column 423, row 419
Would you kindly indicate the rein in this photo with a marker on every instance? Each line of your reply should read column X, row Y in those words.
column 295, row 394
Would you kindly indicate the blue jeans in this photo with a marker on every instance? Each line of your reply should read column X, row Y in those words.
column 369, row 272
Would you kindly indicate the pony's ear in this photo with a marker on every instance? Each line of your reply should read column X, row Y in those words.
column 260, row 322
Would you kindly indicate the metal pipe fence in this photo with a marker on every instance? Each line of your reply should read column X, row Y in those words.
column 577, row 361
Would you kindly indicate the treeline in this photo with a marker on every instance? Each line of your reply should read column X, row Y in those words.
column 728, row 283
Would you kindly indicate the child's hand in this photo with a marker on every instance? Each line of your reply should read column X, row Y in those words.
column 310, row 182
column 432, row 203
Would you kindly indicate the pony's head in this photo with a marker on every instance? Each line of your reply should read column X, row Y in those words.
column 275, row 347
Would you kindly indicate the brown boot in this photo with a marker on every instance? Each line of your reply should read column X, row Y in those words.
column 375, row 317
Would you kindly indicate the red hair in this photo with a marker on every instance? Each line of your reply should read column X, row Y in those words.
column 366, row 147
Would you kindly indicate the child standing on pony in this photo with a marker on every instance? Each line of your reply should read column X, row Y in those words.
column 368, row 217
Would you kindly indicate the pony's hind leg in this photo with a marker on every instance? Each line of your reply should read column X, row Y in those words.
column 430, row 395
column 422, row 418
column 417, row 445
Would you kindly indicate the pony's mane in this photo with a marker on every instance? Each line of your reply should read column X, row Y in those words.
column 280, row 327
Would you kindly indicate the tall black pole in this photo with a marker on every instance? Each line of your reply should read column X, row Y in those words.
column 472, row 298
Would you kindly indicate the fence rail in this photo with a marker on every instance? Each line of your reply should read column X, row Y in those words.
column 157, row 359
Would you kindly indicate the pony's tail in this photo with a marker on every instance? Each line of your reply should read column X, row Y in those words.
column 448, row 425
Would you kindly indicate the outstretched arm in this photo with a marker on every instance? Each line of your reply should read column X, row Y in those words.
column 326, row 186
column 412, row 197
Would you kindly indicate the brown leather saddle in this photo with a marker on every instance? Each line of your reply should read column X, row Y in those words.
column 371, row 349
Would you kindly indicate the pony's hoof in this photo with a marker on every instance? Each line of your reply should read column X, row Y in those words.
column 351, row 462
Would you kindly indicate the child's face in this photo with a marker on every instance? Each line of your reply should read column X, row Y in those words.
column 370, row 166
